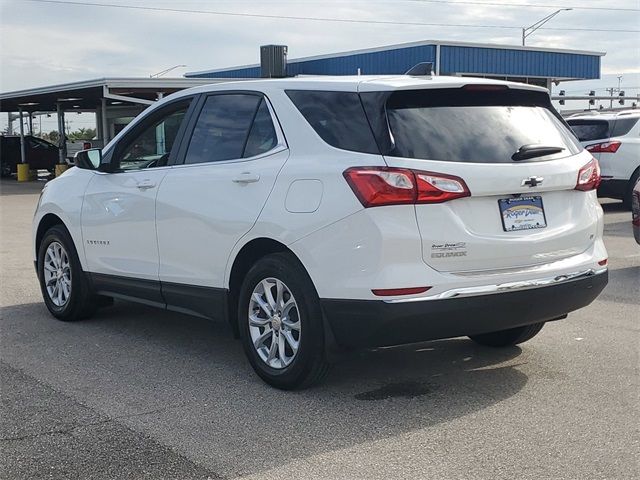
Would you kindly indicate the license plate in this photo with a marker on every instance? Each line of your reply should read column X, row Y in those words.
column 524, row 213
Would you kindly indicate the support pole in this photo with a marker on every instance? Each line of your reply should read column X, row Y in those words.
column 30, row 123
column 62, row 138
column 23, row 167
column 23, row 152
column 105, row 124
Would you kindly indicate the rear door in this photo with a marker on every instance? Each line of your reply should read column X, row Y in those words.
column 523, row 210
column 231, row 161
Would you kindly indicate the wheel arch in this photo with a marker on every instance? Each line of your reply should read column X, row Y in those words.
column 46, row 222
column 246, row 257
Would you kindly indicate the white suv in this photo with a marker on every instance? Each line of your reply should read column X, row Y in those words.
column 614, row 140
column 322, row 214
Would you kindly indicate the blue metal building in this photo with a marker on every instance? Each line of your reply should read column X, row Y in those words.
column 539, row 66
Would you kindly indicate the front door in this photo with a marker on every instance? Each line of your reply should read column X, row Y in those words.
column 118, row 213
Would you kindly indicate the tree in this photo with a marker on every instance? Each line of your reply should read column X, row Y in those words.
column 82, row 134
column 53, row 136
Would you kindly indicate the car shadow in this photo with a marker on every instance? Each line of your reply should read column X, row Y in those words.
column 613, row 206
column 624, row 286
column 10, row 186
column 185, row 382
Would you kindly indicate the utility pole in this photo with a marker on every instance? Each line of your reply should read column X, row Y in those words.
column 614, row 90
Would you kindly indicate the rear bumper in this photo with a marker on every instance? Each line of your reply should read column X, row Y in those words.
column 372, row 323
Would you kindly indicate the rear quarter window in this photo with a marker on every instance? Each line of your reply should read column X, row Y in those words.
column 622, row 126
column 337, row 117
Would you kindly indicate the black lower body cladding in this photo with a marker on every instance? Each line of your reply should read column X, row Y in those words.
column 374, row 323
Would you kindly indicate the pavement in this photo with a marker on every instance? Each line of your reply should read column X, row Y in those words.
column 137, row 393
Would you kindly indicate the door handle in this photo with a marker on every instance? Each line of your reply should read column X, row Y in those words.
column 145, row 184
column 246, row 177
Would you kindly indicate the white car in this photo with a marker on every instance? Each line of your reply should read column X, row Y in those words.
column 322, row 214
column 614, row 140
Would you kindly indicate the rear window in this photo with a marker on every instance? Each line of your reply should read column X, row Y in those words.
column 600, row 129
column 467, row 126
column 587, row 130
column 337, row 117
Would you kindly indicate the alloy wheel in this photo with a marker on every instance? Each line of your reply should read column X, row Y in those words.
column 57, row 274
column 274, row 323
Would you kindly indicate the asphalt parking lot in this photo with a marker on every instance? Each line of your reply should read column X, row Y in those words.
column 137, row 392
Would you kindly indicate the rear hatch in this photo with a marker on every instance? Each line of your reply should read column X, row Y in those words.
column 518, row 209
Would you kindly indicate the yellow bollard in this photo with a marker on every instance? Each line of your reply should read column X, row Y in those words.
column 23, row 172
column 61, row 168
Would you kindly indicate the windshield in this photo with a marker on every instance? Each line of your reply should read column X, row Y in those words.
column 473, row 126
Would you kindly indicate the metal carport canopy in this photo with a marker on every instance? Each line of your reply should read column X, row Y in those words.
column 88, row 95
column 96, row 95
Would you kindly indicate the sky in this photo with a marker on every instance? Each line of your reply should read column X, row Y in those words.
column 49, row 43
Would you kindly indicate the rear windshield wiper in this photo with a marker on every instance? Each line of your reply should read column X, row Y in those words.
column 534, row 150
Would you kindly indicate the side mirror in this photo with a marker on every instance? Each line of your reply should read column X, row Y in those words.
column 89, row 159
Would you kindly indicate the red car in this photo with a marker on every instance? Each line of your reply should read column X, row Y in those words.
column 41, row 155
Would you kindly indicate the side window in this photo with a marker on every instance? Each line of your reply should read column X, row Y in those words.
column 338, row 117
column 262, row 136
column 223, row 128
column 152, row 146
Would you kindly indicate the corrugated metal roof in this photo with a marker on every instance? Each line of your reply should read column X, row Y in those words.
column 521, row 63
column 455, row 57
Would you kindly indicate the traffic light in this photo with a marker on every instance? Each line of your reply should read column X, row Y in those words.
column 621, row 99
column 592, row 101
column 562, row 94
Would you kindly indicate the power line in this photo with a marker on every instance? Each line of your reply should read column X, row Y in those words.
column 444, row 2
column 525, row 5
column 316, row 19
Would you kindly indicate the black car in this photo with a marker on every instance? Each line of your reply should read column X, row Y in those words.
column 40, row 154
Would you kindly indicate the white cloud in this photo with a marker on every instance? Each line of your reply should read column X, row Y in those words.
column 51, row 43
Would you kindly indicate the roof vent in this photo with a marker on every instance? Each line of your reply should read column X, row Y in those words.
column 273, row 61
column 422, row 69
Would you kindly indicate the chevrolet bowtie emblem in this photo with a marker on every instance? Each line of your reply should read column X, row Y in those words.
column 532, row 181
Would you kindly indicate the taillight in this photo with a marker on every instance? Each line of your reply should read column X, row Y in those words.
column 589, row 176
column 378, row 186
column 605, row 147
column 86, row 145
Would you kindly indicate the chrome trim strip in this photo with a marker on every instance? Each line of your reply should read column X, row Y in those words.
column 503, row 287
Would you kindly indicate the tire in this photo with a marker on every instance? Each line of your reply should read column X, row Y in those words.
column 628, row 194
column 282, row 368
column 508, row 338
column 76, row 301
